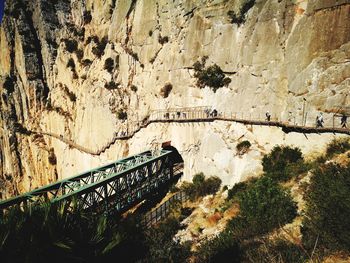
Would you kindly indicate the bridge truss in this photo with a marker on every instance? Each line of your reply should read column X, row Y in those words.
column 113, row 188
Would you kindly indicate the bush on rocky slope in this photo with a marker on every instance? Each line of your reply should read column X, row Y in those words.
column 212, row 76
column 326, row 223
column 283, row 162
column 263, row 207
column 201, row 186
column 337, row 146
column 242, row 147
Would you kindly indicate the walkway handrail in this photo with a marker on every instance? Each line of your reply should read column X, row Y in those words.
column 201, row 114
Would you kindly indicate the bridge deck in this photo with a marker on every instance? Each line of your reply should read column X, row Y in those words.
column 125, row 181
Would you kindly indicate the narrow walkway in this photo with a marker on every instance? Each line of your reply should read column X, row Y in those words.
column 196, row 114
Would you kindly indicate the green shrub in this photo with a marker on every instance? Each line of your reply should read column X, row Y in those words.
column 282, row 162
column 211, row 185
column 52, row 157
column 162, row 247
column 133, row 88
column 240, row 17
column 122, row 115
column 235, row 19
column 337, row 146
column 280, row 250
column 163, row 40
column 264, row 207
column 236, row 189
column 243, row 147
column 135, row 56
column 223, row 248
column 86, row 62
column 71, row 45
column 328, row 208
column 201, row 186
column 71, row 63
column 109, row 65
column 80, row 54
column 87, row 17
column 198, row 179
column 111, row 85
column 8, row 84
column 212, row 76
column 173, row 189
column 32, row 234
column 70, row 94
column 165, row 91
column 99, row 49
column 75, row 74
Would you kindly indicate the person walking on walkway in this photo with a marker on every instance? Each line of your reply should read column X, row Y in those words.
column 343, row 121
column 268, row 116
column 319, row 120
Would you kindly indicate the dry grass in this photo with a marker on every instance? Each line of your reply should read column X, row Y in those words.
column 337, row 258
column 342, row 159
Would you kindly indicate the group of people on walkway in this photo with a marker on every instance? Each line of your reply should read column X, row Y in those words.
column 319, row 119
column 210, row 113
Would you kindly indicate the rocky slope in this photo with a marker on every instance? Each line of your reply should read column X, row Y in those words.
column 72, row 67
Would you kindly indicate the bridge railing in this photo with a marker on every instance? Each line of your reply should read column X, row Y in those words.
column 331, row 120
column 117, row 184
column 162, row 211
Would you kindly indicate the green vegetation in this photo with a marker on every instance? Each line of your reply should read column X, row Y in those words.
column 71, row 63
column 80, row 54
column 133, row 88
column 71, row 45
column 99, row 49
column 220, row 249
column 236, row 189
column 38, row 233
column 275, row 251
column 87, row 17
column 165, row 91
column 328, row 208
column 122, row 115
column 86, row 62
column 337, row 146
column 135, row 56
column 212, row 76
column 109, row 65
column 72, row 97
column 240, row 17
column 243, row 147
column 201, row 186
column 162, row 247
column 264, row 206
column 52, row 157
column 8, row 84
column 112, row 85
column 163, row 40
column 283, row 162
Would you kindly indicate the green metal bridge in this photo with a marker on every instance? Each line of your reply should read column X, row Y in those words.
column 113, row 188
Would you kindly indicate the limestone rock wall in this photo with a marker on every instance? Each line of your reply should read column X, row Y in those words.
column 54, row 78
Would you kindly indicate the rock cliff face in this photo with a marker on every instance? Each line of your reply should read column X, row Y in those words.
column 72, row 67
